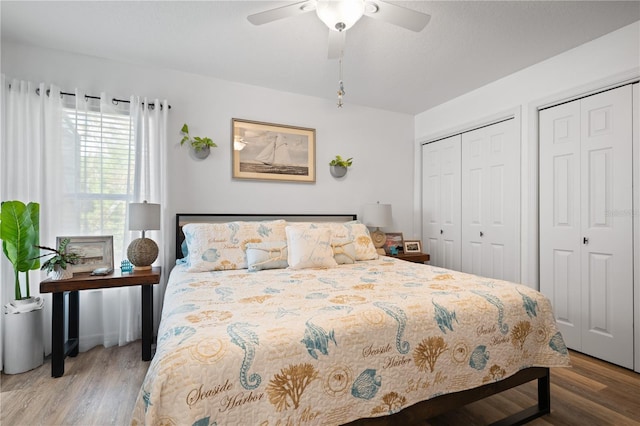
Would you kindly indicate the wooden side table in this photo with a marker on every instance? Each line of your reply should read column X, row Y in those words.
column 413, row 257
column 85, row 281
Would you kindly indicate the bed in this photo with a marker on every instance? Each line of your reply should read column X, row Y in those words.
column 292, row 320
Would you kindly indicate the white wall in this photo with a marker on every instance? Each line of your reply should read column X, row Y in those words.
column 381, row 142
column 601, row 61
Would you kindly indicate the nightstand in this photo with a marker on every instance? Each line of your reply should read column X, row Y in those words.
column 85, row 281
column 412, row 257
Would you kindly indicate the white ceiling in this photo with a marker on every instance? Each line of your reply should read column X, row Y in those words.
column 467, row 44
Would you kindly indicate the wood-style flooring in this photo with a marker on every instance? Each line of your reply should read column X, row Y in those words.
column 100, row 386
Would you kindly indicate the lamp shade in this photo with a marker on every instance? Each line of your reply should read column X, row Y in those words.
column 340, row 15
column 144, row 216
column 377, row 215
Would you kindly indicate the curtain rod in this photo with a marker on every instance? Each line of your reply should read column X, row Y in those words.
column 114, row 101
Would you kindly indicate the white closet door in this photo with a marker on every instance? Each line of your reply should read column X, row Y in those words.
column 607, row 255
column 441, row 202
column 636, row 216
column 586, row 229
column 490, row 201
column 560, row 231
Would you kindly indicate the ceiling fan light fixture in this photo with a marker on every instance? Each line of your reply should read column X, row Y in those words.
column 339, row 15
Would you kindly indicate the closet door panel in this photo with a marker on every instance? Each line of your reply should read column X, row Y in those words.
column 497, row 256
column 441, row 202
column 450, row 204
column 607, row 227
column 475, row 259
column 636, row 216
column 473, row 195
column 431, row 201
column 503, row 162
column 560, row 230
column 490, row 201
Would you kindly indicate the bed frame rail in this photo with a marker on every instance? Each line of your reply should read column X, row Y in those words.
column 418, row 413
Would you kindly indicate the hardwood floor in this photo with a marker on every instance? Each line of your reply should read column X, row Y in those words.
column 100, row 387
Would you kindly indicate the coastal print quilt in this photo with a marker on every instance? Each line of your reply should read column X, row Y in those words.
column 328, row 346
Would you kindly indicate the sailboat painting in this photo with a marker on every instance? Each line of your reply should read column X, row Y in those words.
column 268, row 151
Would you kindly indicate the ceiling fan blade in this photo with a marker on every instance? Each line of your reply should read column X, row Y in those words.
column 281, row 12
column 336, row 43
column 397, row 15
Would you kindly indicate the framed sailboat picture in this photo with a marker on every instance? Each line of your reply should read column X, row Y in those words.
column 267, row 151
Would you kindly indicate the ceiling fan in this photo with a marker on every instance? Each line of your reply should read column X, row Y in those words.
column 340, row 15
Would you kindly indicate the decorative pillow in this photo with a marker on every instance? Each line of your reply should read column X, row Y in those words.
column 344, row 251
column 359, row 234
column 220, row 246
column 310, row 225
column 309, row 248
column 185, row 254
column 271, row 255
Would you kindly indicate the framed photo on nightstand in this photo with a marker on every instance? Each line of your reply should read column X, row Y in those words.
column 94, row 252
column 393, row 244
column 413, row 246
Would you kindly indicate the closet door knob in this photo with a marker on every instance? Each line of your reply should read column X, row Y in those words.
column 481, row 234
column 585, row 240
column 441, row 232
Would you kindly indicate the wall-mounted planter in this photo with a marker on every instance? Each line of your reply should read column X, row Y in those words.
column 202, row 153
column 338, row 171
column 200, row 146
column 338, row 166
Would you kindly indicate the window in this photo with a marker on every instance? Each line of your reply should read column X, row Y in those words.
column 99, row 166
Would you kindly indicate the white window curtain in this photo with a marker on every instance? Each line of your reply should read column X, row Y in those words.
column 85, row 160
column 29, row 152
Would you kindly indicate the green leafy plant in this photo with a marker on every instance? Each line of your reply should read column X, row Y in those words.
column 20, row 235
column 339, row 161
column 59, row 257
column 196, row 142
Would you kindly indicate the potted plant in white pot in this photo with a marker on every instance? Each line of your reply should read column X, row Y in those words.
column 23, row 332
column 56, row 265
column 201, row 146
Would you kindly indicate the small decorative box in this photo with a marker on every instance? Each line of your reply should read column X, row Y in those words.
column 126, row 266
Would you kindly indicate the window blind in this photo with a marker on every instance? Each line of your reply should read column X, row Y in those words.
column 99, row 169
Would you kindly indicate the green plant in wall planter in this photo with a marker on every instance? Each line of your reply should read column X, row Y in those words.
column 23, row 334
column 338, row 166
column 201, row 146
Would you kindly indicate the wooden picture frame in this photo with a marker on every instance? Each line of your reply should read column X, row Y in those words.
column 412, row 246
column 394, row 239
column 94, row 252
column 267, row 151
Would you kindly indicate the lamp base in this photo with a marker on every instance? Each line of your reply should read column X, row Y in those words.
column 142, row 268
column 379, row 238
column 142, row 252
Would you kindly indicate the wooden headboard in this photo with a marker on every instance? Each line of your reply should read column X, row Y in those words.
column 184, row 218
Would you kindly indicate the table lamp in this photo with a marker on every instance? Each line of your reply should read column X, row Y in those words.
column 378, row 216
column 142, row 252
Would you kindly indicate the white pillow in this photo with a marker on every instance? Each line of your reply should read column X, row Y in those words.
column 309, row 248
column 272, row 255
column 344, row 251
column 221, row 246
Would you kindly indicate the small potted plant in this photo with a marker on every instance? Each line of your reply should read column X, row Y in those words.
column 201, row 146
column 338, row 166
column 56, row 265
